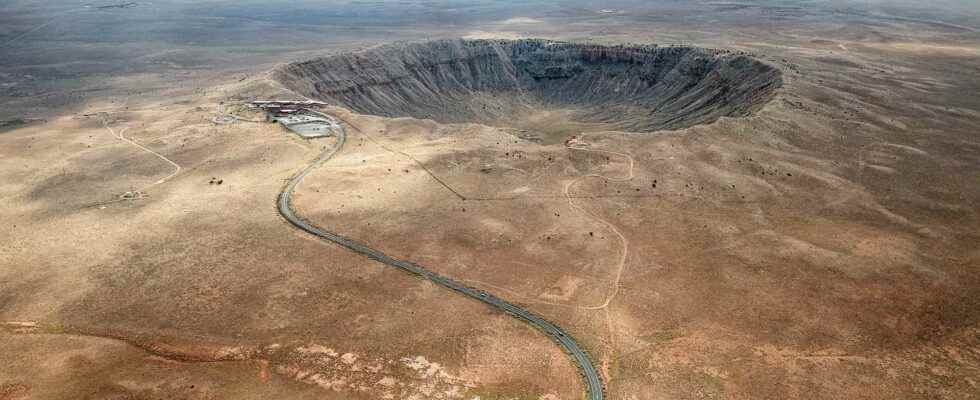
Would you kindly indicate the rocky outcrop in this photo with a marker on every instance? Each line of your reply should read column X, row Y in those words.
column 638, row 88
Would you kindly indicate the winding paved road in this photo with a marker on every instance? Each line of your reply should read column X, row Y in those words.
column 593, row 381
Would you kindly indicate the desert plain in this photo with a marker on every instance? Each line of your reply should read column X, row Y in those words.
column 808, row 231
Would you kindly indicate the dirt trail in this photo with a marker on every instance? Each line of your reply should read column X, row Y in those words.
column 621, row 262
column 120, row 135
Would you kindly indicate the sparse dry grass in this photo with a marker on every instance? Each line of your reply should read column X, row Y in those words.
column 824, row 248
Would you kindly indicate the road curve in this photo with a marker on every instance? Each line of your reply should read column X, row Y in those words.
column 593, row 382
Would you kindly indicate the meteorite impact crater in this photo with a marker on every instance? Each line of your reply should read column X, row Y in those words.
column 545, row 86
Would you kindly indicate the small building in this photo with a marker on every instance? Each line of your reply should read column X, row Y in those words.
column 294, row 116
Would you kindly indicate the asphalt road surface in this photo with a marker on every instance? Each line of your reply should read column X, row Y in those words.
column 593, row 382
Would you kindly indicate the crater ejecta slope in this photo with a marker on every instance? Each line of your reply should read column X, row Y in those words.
column 636, row 88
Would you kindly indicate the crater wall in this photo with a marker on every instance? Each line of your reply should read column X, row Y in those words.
column 635, row 88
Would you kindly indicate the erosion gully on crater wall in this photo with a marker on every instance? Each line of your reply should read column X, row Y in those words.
column 630, row 88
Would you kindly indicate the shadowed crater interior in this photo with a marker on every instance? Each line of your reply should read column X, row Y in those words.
column 539, row 84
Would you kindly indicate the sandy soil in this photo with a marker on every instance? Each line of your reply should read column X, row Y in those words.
column 822, row 248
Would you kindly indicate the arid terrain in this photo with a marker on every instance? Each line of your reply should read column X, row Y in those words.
column 718, row 200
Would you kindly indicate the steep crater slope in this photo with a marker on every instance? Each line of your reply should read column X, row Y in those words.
column 500, row 82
